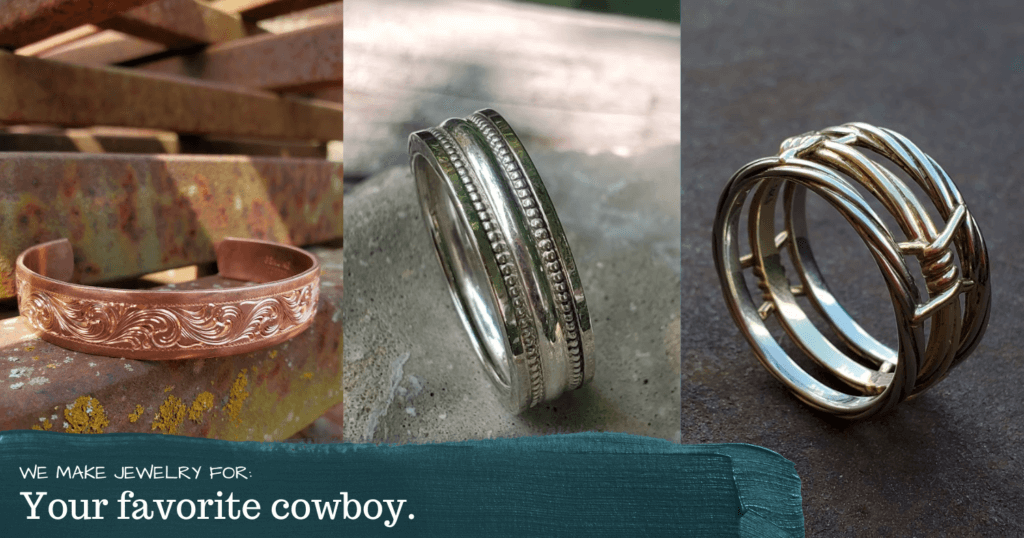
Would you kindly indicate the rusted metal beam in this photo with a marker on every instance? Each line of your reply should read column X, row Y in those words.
column 299, row 61
column 88, row 141
column 133, row 214
column 122, row 140
column 218, row 146
column 26, row 21
column 257, row 10
column 265, row 395
column 61, row 39
column 334, row 95
column 177, row 23
column 115, row 47
column 105, row 47
column 44, row 91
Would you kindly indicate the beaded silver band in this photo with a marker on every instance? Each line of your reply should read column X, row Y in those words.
column 509, row 268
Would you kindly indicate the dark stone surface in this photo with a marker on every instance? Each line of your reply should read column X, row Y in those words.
column 949, row 76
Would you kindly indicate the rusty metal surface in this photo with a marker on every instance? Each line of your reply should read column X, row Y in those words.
column 300, row 61
column 133, row 214
column 102, row 48
column 265, row 395
column 335, row 95
column 27, row 21
column 320, row 14
column 54, row 41
column 85, row 141
column 108, row 47
column 257, row 10
column 109, row 140
column 44, row 91
column 266, row 148
column 947, row 75
column 178, row 23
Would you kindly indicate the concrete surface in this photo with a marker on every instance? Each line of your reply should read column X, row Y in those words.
column 949, row 76
column 573, row 80
column 411, row 374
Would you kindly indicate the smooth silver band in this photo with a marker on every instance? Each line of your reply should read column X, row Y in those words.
column 825, row 162
column 509, row 268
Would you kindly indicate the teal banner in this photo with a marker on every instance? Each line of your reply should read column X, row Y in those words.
column 593, row 484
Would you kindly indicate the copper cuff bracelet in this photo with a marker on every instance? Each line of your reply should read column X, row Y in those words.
column 938, row 326
column 172, row 324
column 507, row 260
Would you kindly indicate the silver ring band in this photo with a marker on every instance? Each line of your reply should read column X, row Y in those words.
column 824, row 162
column 509, row 268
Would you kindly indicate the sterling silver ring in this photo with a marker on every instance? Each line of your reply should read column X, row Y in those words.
column 952, row 257
column 509, row 268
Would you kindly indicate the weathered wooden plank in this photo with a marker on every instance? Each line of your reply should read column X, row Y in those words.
column 177, row 23
column 569, row 80
column 265, row 395
column 134, row 214
column 299, row 61
column 257, row 10
column 26, row 21
column 44, row 91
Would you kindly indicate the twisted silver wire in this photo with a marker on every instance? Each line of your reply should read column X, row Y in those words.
column 829, row 162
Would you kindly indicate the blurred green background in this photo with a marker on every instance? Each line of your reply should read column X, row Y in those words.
column 667, row 10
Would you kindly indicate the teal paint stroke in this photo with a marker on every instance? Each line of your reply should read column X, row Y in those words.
column 593, row 484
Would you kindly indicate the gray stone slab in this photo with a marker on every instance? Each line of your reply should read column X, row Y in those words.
column 411, row 374
column 950, row 76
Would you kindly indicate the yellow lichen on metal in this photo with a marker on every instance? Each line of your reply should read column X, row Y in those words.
column 47, row 425
column 203, row 402
column 168, row 388
column 237, row 395
column 307, row 376
column 30, row 349
column 273, row 353
column 86, row 415
column 134, row 417
column 272, row 414
column 170, row 415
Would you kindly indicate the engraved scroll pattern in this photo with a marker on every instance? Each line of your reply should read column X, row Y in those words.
column 130, row 326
